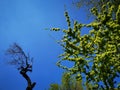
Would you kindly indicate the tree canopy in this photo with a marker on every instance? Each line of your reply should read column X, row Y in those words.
column 94, row 3
column 89, row 4
column 68, row 82
column 96, row 56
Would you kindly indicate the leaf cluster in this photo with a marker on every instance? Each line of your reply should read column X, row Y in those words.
column 96, row 55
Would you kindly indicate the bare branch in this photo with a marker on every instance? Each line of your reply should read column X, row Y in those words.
column 22, row 61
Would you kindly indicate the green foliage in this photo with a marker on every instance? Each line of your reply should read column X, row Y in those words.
column 94, row 3
column 68, row 82
column 101, row 47
column 54, row 87
column 89, row 4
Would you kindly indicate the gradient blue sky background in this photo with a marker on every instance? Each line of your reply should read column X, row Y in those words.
column 24, row 22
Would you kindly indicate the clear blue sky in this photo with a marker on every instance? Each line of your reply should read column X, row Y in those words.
column 24, row 22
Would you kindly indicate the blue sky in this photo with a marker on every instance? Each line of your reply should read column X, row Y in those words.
column 24, row 22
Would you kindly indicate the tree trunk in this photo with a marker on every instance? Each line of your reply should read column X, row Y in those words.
column 30, row 85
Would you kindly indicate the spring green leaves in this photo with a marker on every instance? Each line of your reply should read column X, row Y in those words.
column 96, row 56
